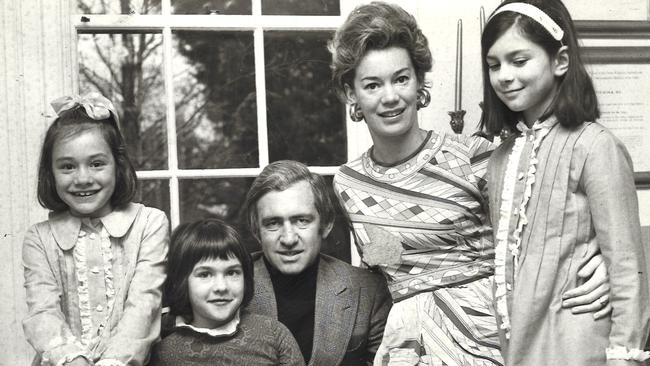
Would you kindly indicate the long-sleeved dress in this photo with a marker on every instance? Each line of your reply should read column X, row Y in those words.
column 94, row 288
column 553, row 190
column 423, row 223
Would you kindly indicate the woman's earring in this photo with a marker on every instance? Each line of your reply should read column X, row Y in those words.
column 355, row 112
column 424, row 98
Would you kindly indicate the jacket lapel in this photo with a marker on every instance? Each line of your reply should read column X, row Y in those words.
column 263, row 301
column 336, row 308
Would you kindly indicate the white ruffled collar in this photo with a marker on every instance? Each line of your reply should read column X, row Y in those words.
column 227, row 329
column 538, row 125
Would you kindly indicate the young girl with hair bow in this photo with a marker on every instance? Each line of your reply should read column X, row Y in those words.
column 94, row 270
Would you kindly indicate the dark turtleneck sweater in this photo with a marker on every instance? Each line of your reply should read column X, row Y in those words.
column 295, row 297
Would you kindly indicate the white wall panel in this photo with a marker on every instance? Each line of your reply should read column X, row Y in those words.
column 35, row 67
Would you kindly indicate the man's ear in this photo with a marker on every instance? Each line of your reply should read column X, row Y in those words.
column 561, row 61
column 349, row 93
column 325, row 231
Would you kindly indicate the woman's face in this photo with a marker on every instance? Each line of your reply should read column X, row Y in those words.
column 216, row 291
column 385, row 88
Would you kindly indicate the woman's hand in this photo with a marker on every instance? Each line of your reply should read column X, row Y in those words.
column 593, row 295
column 78, row 361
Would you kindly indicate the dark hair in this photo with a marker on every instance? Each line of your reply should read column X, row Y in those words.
column 376, row 26
column 202, row 240
column 73, row 122
column 576, row 100
column 279, row 176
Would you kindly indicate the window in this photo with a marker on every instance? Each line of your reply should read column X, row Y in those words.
column 209, row 92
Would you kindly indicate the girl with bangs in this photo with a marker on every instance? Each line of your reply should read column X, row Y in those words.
column 209, row 285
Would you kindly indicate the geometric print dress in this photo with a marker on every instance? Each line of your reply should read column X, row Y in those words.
column 423, row 223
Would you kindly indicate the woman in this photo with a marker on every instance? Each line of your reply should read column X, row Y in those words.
column 417, row 199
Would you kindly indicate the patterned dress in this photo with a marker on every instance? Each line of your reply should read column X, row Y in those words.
column 423, row 223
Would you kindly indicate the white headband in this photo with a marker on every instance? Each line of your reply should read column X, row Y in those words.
column 536, row 14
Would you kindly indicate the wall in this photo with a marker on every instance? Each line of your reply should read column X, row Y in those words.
column 34, row 68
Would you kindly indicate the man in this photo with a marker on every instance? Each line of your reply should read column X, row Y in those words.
column 335, row 311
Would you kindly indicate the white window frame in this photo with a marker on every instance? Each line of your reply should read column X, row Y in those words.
column 258, row 23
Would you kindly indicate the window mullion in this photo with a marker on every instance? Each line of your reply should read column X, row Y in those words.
column 260, row 92
column 172, row 156
column 257, row 7
column 166, row 7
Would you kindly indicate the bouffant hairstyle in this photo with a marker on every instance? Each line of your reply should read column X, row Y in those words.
column 376, row 26
column 74, row 122
column 576, row 100
column 194, row 242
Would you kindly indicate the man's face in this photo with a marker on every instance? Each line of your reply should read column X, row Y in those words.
column 289, row 226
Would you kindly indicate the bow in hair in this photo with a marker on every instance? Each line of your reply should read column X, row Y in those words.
column 96, row 105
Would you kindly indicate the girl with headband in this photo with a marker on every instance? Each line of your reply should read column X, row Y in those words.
column 94, row 270
column 559, row 182
column 416, row 200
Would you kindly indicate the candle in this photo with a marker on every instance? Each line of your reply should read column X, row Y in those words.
column 459, row 67
column 481, row 19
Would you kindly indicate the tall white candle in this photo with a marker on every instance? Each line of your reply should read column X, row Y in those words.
column 459, row 66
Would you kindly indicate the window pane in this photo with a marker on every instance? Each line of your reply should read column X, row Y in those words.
column 301, row 7
column 214, row 88
column 154, row 193
column 227, row 7
column 306, row 121
column 118, row 6
column 127, row 69
column 212, row 198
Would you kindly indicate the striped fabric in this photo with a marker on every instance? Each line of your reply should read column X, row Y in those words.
column 423, row 223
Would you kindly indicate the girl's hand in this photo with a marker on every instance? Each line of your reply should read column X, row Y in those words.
column 593, row 295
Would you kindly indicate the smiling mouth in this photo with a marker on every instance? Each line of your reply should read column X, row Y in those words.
column 220, row 302
column 84, row 194
column 507, row 92
column 393, row 113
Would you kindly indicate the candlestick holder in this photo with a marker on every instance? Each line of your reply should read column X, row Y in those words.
column 457, row 121
column 505, row 134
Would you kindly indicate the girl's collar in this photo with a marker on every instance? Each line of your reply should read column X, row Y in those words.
column 225, row 330
column 539, row 124
column 65, row 227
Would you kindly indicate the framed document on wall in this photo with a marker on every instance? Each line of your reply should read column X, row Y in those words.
column 621, row 77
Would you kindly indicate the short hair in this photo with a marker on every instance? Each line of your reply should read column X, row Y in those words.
column 376, row 26
column 576, row 100
column 194, row 242
column 279, row 176
column 71, row 123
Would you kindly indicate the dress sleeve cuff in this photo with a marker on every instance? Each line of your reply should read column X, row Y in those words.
column 61, row 350
column 110, row 362
column 623, row 353
column 71, row 356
